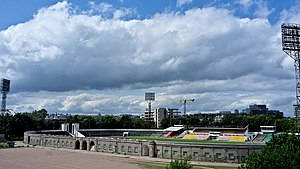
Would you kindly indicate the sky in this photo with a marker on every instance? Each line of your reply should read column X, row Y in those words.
column 100, row 57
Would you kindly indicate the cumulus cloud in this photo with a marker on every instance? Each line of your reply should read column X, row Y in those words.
column 198, row 53
column 263, row 11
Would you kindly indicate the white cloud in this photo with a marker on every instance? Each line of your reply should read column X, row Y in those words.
column 203, row 53
column 260, row 7
column 245, row 3
column 263, row 11
column 183, row 2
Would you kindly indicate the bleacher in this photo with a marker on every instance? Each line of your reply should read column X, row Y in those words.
column 260, row 137
column 191, row 136
column 183, row 134
column 202, row 137
column 223, row 138
column 268, row 138
column 169, row 134
column 237, row 138
column 145, row 134
column 157, row 134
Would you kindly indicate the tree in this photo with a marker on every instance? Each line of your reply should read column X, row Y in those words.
column 281, row 152
column 179, row 164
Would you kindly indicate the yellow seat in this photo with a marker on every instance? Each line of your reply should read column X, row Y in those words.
column 237, row 138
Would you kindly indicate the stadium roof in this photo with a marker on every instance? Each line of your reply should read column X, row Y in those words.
column 174, row 128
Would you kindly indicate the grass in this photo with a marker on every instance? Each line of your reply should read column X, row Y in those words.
column 186, row 141
column 163, row 166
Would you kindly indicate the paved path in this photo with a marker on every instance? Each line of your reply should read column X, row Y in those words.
column 41, row 158
column 53, row 158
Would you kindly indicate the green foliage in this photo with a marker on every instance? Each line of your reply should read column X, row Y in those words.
column 3, row 145
column 179, row 164
column 281, row 152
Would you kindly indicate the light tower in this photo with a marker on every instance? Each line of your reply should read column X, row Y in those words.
column 291, row 46
column 4, row 90
column 149, row 97
column 5, row 86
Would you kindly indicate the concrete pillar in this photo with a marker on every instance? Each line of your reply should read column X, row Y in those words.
column 152, row 149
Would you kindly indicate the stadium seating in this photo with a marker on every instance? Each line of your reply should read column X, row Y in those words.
column 268, row 138
column 182, row 134
column 190, row 136
column 157, row 134
column 227, row 131
column 260, row 137
column 169, row 134
column 175, row 135
column 237, row 138
column 223, row 138
column 202, row 137
column 196, row 136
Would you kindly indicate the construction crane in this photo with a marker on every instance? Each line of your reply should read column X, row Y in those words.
column 184, row 101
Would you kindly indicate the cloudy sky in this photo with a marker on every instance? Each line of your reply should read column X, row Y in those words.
column 102, row 56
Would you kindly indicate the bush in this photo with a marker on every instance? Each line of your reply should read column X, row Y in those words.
column 3, row 145
column 282, row 152
column 179, row 164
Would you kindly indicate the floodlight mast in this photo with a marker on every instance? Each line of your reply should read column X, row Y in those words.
column 5, row 87
column 149, row 97
column 291, row 46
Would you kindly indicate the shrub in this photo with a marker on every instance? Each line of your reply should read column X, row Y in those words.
column 179, row 164
column 282, row 152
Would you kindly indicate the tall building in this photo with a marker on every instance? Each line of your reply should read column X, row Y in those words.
column 256, row 109
column 148, row 115
column 162, row 113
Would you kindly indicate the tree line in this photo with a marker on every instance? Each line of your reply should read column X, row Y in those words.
column 282, row 124
column 14, row 126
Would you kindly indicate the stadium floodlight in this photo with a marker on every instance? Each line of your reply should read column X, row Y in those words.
column 149, row 97
column 291, row 46
column 5, row 87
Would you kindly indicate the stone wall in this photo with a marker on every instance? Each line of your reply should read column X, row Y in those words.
column 195, row 152
column 206, row 152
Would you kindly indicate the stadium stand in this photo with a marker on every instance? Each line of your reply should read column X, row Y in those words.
column 169, row 134
column 260, row 137
column 175, row 135
column 268, row 138
column 202, row 137
column 183, row 134
column 157, row 134
column 223, row 138
column 191, row 136
column 196, row 136
column 237, row 138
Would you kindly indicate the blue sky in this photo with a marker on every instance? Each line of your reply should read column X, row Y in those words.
column 102, row 56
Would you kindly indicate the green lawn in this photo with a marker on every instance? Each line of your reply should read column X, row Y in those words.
column 185, row 141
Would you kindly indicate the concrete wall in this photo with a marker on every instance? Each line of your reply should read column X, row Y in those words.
column 195, row 152
column 207, row 152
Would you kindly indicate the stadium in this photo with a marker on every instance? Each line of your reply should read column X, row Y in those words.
column 206, row 143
